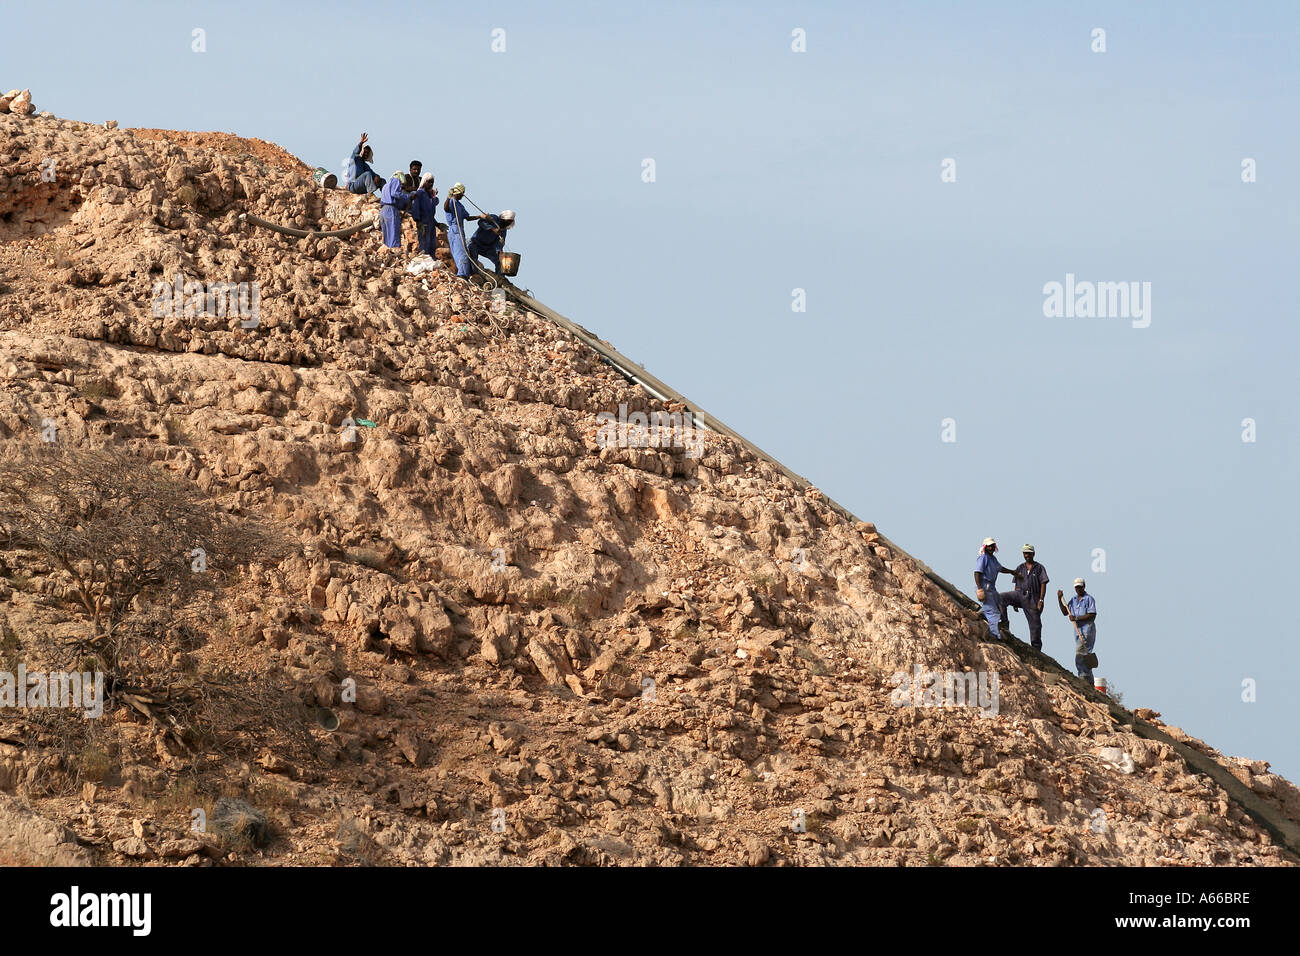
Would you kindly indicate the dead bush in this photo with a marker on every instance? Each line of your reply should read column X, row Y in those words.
column 144, row 551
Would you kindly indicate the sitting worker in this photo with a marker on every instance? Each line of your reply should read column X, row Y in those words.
column 361, row 178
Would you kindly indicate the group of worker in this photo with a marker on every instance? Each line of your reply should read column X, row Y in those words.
column 1029, row 595
column 415, row 194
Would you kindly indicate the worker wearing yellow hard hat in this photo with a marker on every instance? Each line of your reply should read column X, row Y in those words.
column 456, row 219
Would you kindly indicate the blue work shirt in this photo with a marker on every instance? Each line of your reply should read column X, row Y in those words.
column 1032, row 580
column 988, row 568
column 455, row 213
column 357, row 167
column 423, row 208
column 394, row 195
column 1084, row 605
column 484, row 238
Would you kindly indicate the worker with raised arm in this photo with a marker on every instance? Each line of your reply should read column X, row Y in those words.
column 361, row 178
column 1029, row 594
column 987, row 569
column 1082, row 612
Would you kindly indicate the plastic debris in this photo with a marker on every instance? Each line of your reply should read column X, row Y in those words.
column 1117, row 758
column 421, row 264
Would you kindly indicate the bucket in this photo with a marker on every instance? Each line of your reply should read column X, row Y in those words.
column 510, row 263
column 325, row 178
column 1100, row 686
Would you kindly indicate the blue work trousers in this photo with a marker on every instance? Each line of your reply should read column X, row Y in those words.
column 456, row 239
column 1029, row 604
column 487, row 252
column 1083, row 645
column 366, row 183
column 991, row 608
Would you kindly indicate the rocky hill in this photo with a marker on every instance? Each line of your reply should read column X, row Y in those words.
column 491, row 636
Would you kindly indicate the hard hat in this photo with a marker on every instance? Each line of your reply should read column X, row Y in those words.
column 1029, row 548
column 1078, row 582
column 508, row 216
column 990, row 541
column 457, row 190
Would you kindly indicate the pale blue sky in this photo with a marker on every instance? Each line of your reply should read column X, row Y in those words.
column 820, row 170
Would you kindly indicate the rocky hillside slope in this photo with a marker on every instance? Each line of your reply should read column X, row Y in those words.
column 560, row 650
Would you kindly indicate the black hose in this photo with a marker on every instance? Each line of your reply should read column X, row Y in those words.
column 304, row 233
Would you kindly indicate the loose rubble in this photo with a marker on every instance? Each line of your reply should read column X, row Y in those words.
column 535, row 648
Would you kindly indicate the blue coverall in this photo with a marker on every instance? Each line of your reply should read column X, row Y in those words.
column 988, row 568
column 393, row 200
column 1083, row 647
column 456, row 236
column 361, row 178
column 488, row 243
column 423, row 210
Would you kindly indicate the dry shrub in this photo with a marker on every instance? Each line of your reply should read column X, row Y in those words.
column 138, row 543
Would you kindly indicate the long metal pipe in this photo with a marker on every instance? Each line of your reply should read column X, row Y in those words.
column 664, row 392
column 1278, row 825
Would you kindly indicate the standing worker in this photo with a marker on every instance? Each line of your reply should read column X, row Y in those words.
column 424, row 207
column 1083, row 613
column 987, row 570
column 1028, row 596
column 489, row 239
column 456, row 219
column 395, row 197
column 361, row 178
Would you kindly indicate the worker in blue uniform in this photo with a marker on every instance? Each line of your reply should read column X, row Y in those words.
column 424, row 208
column 361, row 178
column 1028, row 596
column 489, row 238
column 395, row 197
column 456, row 219
column 1082, row 612
column 987, row 569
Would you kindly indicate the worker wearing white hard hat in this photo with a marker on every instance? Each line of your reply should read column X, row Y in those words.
column 1082, row 612
column 489, row 239
column 987, row 569
column 424, row 209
